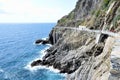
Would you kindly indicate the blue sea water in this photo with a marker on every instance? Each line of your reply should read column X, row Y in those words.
column 17, row 50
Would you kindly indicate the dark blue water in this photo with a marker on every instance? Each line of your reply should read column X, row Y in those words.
column 17, row 50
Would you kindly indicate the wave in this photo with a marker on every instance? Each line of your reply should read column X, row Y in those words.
column 49, row 45
column 41, row 43
column 42, row 53
column 37, row 44
column 44, row 38
column 1, row 70
column 32, row 69
column 35, row 68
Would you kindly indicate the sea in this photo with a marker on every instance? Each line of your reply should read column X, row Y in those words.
column 17, row 51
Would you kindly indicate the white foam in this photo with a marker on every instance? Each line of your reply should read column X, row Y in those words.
column 35, row 68
column 43, row 52
column 49, row 45
column 37, row 44
column 1, row 70
column 41, row 43
column 44, row 38
column 32, row 69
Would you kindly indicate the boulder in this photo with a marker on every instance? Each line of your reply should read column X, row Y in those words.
column 36, row 63
column 41, row 41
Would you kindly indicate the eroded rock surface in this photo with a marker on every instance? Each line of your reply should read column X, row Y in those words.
column 80, row 56
column 115, row 61
column 76, row 52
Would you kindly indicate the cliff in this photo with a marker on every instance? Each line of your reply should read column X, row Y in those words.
column 76, row 52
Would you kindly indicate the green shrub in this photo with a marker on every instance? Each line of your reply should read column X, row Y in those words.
column 62, row 20
column 106, row 2
column 93, row 12
column 117, row 18
column 79, row 22
column 71, row 15
column 97, row 13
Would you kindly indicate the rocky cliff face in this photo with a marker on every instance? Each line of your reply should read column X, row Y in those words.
column 75, row 52
column 81, row 12
column 96, row 67
column 93, row 13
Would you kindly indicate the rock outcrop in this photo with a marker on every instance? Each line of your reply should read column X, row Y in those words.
column 115, row 61
column 41, row 41
column 76, row 52
column 96, row 67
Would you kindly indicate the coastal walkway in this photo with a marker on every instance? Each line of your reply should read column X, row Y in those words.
column 99, row 32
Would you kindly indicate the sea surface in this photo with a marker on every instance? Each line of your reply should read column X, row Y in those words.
column 17, row 50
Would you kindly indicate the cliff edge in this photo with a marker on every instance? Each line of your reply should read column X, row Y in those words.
column 76, row 52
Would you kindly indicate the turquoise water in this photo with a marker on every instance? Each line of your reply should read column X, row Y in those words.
column 17, row 50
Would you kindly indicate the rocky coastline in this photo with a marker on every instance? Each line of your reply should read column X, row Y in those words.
column 76, row 52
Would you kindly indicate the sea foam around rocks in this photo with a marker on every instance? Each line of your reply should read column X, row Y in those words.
column 35, row 68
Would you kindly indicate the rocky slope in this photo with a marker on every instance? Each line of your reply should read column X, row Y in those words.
column 75, row 52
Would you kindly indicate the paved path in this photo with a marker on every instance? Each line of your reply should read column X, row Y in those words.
column 83, row 28
column 99, row 32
